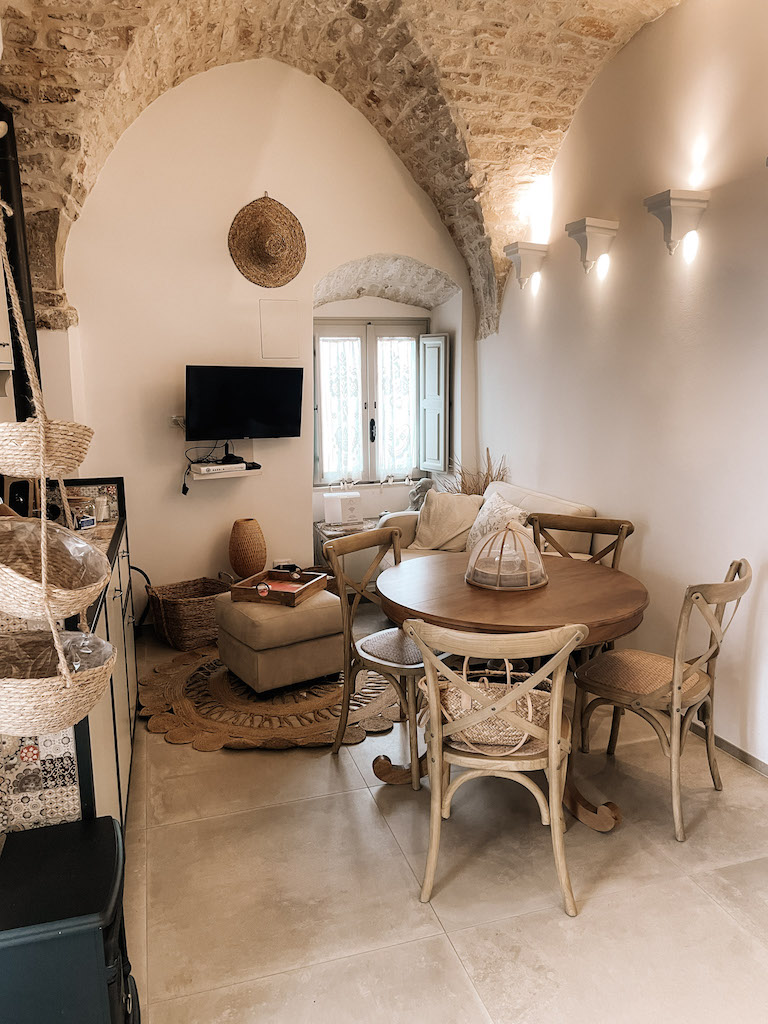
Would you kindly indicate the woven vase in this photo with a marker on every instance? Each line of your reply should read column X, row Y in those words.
column 247, row 548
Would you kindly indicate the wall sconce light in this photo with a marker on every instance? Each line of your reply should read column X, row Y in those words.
column 527, row 259
column 679, row 211
column 595, row 238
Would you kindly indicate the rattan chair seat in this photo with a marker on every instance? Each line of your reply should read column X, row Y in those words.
column 632, row 674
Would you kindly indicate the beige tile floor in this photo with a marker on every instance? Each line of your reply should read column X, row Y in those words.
column 282, row 886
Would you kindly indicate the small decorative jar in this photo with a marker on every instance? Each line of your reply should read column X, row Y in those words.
column 83, row 512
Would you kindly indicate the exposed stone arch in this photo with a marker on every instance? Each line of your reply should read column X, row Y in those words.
column 386, row 276
column 473, row 97
column 364, row 51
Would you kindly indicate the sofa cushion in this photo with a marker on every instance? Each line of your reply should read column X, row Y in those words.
column 445, row 521
column 261, row 625
column 406, row 555
column 494, row 515
column 536, row 501
column 405, row 521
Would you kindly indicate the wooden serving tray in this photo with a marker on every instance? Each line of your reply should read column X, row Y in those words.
column 283, row 590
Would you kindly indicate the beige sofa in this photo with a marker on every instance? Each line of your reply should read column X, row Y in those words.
column 578, row 544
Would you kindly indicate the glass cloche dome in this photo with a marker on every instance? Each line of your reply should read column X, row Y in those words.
column 506, row 559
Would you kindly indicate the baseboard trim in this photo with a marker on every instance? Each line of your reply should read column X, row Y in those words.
column 726, row 745
column 734, row 751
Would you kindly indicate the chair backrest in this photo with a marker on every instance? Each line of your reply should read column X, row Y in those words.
column 555, row 645
column 544, row 522
column 383, row 540
column 711, row 600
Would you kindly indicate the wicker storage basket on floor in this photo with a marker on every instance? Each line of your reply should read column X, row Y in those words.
column 183, row 612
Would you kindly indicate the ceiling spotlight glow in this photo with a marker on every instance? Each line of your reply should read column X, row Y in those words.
column 533, row 208
column 602, row 266
column 535, row 283
column 690, row 246
column 696, row 177
column 700, row 148
column 698, row 156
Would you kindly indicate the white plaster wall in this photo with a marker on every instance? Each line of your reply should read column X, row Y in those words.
column 148, row 268
column 644, row 395
column 368, row 307
column 450, row 318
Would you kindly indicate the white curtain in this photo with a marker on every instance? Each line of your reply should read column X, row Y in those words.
column 396, row 435
column 340, row 407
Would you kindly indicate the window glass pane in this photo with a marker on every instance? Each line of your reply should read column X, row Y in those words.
column 396, row 434
column 340, row 406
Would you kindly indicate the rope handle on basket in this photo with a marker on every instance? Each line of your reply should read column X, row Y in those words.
column 26, row 350
column 42, row 418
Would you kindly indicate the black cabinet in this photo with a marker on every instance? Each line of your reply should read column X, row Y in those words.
column 63, row 956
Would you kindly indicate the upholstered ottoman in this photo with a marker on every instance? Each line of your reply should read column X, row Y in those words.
column 269, row 645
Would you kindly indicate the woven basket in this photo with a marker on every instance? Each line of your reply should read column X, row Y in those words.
column 494, row 735
column 183, row 613
column 77, row 571
column 34, row 697
column 66, row 447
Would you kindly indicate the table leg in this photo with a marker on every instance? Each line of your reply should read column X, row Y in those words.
column 397, row 774
column 601, row 819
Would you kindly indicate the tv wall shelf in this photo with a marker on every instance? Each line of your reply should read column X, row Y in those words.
column 226, row 476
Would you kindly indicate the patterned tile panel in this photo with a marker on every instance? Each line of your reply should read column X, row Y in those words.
column 38, row 781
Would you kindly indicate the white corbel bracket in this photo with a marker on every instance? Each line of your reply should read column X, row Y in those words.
column 679, row 211
column 527, row 259
column 594, row 237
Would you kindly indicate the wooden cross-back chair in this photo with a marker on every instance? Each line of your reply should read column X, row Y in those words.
column 388, row 651
column 542, row 730
column 668, row 692
column 544, row 522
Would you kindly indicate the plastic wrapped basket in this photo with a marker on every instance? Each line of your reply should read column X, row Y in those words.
column 77, row 571
column 66, row 445
column 35, row 697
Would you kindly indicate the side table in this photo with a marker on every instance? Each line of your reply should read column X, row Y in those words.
column 324, row 532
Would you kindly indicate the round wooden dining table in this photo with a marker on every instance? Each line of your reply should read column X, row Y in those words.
column 609, row 602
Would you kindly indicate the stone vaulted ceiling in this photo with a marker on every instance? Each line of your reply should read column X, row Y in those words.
column 474, row 96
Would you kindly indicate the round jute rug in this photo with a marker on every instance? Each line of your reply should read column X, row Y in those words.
column 195, row 699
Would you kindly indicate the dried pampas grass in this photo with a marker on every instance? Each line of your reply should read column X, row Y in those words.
column 475, row 481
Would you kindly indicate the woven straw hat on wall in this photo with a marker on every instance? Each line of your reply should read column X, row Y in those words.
column 267, row 243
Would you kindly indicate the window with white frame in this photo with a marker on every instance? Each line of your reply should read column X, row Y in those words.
column 366, row 399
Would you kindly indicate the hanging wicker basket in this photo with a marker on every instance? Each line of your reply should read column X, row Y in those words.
column 66, row 446
column 77, row 571
column 35, row 698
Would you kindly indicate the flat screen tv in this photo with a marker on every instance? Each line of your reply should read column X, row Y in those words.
column 225, row 403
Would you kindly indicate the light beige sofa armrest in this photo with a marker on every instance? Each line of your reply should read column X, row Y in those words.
column 407, row 521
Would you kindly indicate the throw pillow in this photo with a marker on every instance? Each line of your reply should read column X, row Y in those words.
column 494, row 515
column 445, row 520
